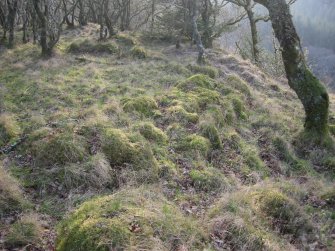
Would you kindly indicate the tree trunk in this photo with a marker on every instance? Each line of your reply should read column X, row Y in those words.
column 12, row 10
column 254, row 33
column 82, row 16
column 310, row 91
column 196, row 35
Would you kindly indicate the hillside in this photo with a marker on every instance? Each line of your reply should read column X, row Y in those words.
column 129, row 145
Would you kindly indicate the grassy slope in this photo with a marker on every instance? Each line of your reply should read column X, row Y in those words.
column 217, row 152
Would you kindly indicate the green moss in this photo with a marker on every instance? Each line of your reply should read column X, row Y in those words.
column 239, row 108
column 9, row 129
column 121, row 149
column 139, row 52
column 90, row 46
column 238, row 234
column 209, row 131
column 25, row 231
column 96, row 173
column 332, row 129
column 59, row 149
column 125, row 40
column 152, row 133
column 286, row 154
column 215, row 114
column 329, row 163
column 143, row 104
column 210, row 71
column 11, row 197
column 250, row 154
column 238, row 84
column 194, row 143
column 329, row 197
column 179, row 114
column 140, row 219
column 208, row 179
column 282, row 212
column 205, row 97
column 263, row 214
column 196, row 81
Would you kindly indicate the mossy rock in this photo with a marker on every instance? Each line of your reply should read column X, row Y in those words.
column 195, row 82
column 210, row 131
column 283, row 213
column 143, row 104
column 26, row 231
column 90, row 46
column 177, row 113
column 9, row 129
column 138, row 52
column 239, row 84
column 152, row 133
column 140, row 219
column 210, row 71
column 194, row 144
column 209, row 180
column 11, row 197
column 59, row 149
column 122, row 149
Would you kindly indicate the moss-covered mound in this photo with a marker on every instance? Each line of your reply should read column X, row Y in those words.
column 177, row 113
column 11, row 198
column 210, row 131
column 239, row 85
column 140, row 219
column 126, row 150
column 196, row 81
column 59, row 148
column 152, row 133
column 194, row 145
column 139, row 52
column 9, row 129
column 91, row 46
column 204, row 69
column 209, row 179
column 143, row 104
column 269, row 219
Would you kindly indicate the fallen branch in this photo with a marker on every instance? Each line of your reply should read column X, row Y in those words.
column 9, row 148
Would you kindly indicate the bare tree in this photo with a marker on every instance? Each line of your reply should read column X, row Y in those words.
column 196, row 34
column 12, row 6
column 49, row 14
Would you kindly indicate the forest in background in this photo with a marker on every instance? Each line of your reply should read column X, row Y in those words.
column 124, row 126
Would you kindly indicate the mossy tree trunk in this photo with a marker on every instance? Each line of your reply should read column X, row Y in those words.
column 47, row 41
column 254, row 33
column 12, row 11
column 310, row 91
column 196, row 34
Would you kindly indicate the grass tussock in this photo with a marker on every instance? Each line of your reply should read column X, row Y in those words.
column 11, row 195
column 134, row 219
column 9, row 129
column 24, row 232
column 91, row 46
